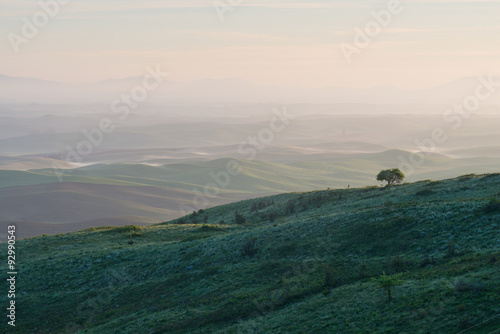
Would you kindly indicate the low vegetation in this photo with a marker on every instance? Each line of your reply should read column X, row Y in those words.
column 387, row 282
column 316, row 262
column 492, row 206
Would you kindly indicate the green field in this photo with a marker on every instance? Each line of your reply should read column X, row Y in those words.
column 296, row 263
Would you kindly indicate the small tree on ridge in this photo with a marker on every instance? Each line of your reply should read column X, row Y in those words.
column 391, row 176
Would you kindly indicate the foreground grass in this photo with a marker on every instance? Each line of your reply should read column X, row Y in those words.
column 301, row 263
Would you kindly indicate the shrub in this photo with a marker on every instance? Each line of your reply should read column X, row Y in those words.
column 319, row 198
column 462, row 285
column 193, row 238
column 492, row 206
column 206, row 228
column 272, row 215
column 397, row 263
column 425, row 192
column 432, row 183
column 467, row 177
column 451, row 248
column 428, row 260
column 331, row 277
column 239, row 219
column 465, row 323
column 249, row 248
column 287, row 249
column 127, row 228
column 363, row 269
column 290, row 208
column 261, row 205
column 386, row 282
column 98, row 228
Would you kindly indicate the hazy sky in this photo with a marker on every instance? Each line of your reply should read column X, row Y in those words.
column 267, row 42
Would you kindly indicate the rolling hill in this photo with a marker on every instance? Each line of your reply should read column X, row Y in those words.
column 107, row 193
column 290, row 263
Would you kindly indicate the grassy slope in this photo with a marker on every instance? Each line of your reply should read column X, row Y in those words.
column 311, row 273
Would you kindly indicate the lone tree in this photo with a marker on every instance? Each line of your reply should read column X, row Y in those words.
column 386, row 282
column 391, row 176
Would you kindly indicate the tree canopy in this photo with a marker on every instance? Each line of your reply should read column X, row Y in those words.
column 391, row 176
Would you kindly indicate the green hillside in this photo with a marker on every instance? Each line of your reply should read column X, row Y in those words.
column 290, row 263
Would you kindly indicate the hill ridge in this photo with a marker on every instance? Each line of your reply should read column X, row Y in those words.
column 295, row 262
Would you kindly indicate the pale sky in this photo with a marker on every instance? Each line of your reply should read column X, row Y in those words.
column 281, row 42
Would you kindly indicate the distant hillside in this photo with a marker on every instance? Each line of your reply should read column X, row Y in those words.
column 51, row 208
column 106, row 192
column 290, row 263
column 228, row 90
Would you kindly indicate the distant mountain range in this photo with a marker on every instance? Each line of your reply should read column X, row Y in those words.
column 15, row 90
